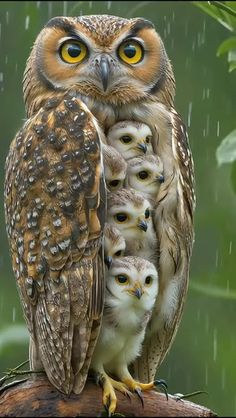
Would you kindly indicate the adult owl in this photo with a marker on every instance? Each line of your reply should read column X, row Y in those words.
column 85, row 74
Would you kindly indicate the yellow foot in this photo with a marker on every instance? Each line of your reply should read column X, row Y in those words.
column 138, row 387
column 109, row 398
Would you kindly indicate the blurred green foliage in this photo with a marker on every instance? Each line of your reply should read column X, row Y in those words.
column 203, row 354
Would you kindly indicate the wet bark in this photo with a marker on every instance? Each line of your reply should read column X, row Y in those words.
column 38, row 398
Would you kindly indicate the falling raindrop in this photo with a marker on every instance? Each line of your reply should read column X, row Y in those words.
column 27, row 20
column 64, row 8
column 6, row 59
column 207, row 124
column 1, row 77
column 14, row 314
column 108, row 5
column 90, row 4
column 190, row 105
column 38, row 4
column 214, row 345
column 218, row 129
column 168, row 28
column 50, row 9
column 7, row 17
column 208, row 93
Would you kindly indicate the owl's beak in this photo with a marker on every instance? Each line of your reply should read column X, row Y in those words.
column 104, row 71
column 143, row 225
column 143, row 147
column 136, row 290
column 108, row 261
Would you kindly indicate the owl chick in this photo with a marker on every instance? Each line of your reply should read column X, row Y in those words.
column 131, row 291
column 130, row 138
column 145, row 174
column 114, row 168
column 130, row 212
column 114, row 244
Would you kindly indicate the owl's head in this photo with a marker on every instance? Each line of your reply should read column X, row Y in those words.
column 114, row 244
column 130, row 212
column 130, row 138
column 109, row 58
column 145, row 174
column 132, row 281
column 114, row 168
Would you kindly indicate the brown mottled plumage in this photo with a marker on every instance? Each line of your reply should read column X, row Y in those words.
column 114, row 86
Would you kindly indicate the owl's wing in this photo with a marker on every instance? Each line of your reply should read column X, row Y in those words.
column 55, row 217
column 173, row 220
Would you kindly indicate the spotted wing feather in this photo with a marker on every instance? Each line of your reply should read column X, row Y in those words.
column 54, row 224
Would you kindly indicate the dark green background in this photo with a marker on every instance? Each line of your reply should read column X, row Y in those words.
column 203, row 355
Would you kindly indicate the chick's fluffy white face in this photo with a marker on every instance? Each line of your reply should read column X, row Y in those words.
column 128, row 217
column 130, row 138
column 145, row 174
column 128, row 274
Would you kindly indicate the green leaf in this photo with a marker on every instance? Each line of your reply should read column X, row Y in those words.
column 226, row 45
column 226, row 151
column 232, row 66
column 221, row 16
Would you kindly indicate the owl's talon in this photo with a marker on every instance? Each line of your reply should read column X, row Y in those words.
column 138, row 391
column 163, row 385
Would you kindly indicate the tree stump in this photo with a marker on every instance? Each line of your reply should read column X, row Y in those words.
column 38, row 398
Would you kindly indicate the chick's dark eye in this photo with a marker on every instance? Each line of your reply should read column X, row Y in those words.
column 121, row 217
column 118, row 253
column 114, row 183
column 148, row 139
column 121, row 279
column 148, row 280
column 126, row 139
column 147, row 213
column 143, row 175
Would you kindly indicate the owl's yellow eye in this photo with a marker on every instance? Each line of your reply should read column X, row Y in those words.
column 122, row 279
column 131, row 52
column 73, row 52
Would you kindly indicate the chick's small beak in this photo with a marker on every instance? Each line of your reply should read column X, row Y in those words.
column 104, row 71
column 143, row 147
column 160, row 178
column 108, row 261
column 137, row 290
column 143, row 225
